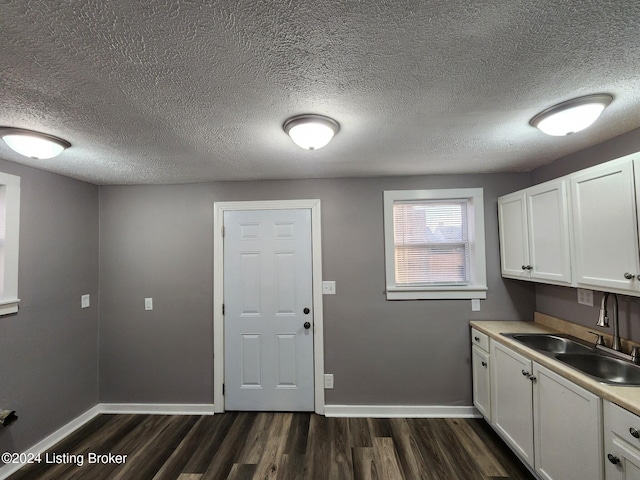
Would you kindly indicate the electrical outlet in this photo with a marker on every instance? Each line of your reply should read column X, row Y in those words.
column 328, row 287
column 148, row 303
column 328, row 380
column 585, row 297
column 85, row 301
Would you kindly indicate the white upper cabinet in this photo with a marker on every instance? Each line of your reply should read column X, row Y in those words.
column 579, row 230
column 534, row 233
column 605, row 228
column 514, row 235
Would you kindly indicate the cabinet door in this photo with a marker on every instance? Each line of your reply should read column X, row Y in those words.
column 621, row 445
column 605, row 226
column 481, row 382
column 626, row 458
column 511, row 399
column 514, row 237
column 548, row 217
column 567, row 428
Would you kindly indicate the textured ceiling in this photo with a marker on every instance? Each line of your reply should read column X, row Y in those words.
column 195, row 90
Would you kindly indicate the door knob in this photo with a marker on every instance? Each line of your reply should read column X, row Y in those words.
column 306, row 310
column 307, row 325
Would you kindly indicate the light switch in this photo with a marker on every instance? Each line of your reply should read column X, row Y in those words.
column 475, row 304
column 328, row 380
column 85, row 301
column 148, row 303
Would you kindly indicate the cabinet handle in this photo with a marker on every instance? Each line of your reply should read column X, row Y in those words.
column 524, row 267
column 525, row 373
column 613, row 459
column 532, row 378
column 477, row 339
column 629, row 276
column 634, row 433
column 527, row 267
column 484, row 364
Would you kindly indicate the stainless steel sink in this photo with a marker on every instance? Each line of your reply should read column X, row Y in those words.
column 603, row 368
column 551, row 343
column 583, row 357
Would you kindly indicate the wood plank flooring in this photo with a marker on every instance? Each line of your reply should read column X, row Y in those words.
column 247, row 446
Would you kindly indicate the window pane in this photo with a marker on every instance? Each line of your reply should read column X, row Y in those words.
column 431, row 242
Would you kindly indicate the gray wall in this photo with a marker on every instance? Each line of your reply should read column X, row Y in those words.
column 562, row 301
column 156, row 241
column 48, row 350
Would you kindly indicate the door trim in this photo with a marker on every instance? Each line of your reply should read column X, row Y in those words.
column 218, row 291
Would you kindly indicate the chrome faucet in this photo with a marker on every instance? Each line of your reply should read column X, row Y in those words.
column 603, row 319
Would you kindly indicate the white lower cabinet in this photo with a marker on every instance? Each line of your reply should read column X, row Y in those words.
column 511, row 399
column 481, row 381
column 480, row 366
column 554, row 425
column 567, row 428
column 621, row 443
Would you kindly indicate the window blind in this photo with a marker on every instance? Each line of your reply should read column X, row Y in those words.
column 431, row 242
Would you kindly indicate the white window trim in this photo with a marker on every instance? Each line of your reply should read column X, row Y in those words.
column 9, row 301
column 478, row 286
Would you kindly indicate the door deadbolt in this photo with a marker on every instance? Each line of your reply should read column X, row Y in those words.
column 306, row 310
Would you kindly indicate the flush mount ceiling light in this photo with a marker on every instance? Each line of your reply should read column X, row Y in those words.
column 33, row 144
column 311, row 131
column 571, row 116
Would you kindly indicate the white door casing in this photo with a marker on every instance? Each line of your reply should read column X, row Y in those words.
column 268, row 339
column 315, row 317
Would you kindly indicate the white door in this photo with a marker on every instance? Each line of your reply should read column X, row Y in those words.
column 268, row 322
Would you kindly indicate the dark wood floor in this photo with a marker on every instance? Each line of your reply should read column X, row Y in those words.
column 280, row 446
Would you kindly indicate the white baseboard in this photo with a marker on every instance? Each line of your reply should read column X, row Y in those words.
column 400, row 411
column 107, row 408
column 157, row 408
column 52, row 439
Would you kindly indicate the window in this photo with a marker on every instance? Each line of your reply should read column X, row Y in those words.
column 434, row 244
column 9, row 242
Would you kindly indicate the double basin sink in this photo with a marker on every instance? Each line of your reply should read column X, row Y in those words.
column 581, row 356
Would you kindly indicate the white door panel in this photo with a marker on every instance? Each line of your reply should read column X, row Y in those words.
column 267, row 287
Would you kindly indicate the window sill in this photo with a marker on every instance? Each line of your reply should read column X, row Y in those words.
column 7, row 307
column 442, row 293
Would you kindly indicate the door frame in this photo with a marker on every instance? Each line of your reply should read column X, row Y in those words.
column 218, row 291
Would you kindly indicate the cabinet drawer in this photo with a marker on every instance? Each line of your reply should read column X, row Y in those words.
column 480, row 339
column 623, row 423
